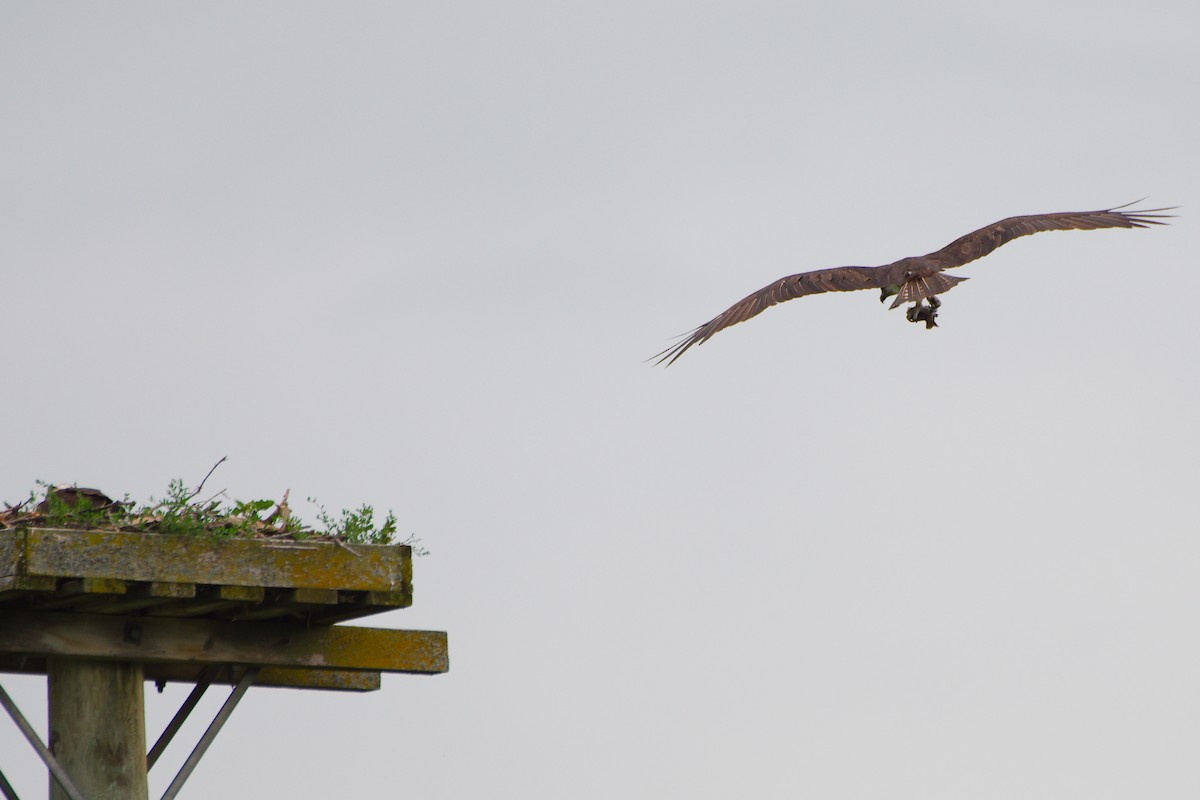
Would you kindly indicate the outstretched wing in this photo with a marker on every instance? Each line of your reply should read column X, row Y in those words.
column 839, row 279
column 979, row 243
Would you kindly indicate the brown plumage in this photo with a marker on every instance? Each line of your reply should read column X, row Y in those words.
column 914, row 279
column 71, row 496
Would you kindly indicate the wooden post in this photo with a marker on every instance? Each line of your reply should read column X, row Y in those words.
column 97, row 727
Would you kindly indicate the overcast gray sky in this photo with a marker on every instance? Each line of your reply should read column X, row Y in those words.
column 415, row 254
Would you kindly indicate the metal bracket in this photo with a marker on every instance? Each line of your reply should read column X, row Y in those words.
column 203, row 681
column 213, row 729
column 9, row 792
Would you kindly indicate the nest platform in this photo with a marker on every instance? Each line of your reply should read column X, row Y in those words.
column 192, row 608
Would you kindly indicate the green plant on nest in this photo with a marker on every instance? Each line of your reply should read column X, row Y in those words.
column 178, row 512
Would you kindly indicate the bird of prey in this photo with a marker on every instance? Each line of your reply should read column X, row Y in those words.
column 71, row 496
column 915, row 279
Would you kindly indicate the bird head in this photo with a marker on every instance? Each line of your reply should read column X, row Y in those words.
column 888, row 291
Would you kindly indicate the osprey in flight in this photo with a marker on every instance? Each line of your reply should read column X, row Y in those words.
column 915, row 279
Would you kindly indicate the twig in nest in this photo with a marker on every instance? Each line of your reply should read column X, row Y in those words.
column 351, row 550
column 18, row 506
column 206, row 477
column 282, row 513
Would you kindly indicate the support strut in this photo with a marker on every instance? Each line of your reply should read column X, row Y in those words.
column 213, row 729
column 47, row 757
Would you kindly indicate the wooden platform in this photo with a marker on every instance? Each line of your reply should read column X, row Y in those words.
column 180, row 603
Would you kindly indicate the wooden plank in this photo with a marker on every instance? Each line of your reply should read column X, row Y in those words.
column 239, row 594
column 145, row 596
column 23, row 584
column 11, row 544
column 360, row 604
column 94, row 586
column 388, row 599
column 165, row 589
column 20, row 592
column 158, row 598
column 192, row 559
column 311, row 596
column 215, row 600
column 196, row 641
column 280, row 677
column 298, row 603
column 81, row 594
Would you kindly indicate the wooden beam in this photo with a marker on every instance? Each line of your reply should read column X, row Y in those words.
column 214, row 599
column 275, row 677
column 81, row 594
column 202, row 559
column 353, row 606
column 163, row 599
column 201, row 641
column 15, row 587
column 293, row 603
column 279, row 677
column 142, row 596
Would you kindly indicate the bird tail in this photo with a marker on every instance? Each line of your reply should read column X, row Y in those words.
column 917, row 289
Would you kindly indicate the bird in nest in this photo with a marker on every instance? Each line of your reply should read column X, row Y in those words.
column 917, row 279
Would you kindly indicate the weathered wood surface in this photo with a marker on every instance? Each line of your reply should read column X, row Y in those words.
column 188, row 559
column 138, row 596
column 21, row 585
column 97, row 729
column 271, row 677
column 200, row 641
column 155, row 574
column 177, row 604
column 10, row 553
column 281, row 677
column 161, row 599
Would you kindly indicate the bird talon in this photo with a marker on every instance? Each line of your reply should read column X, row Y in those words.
column 919, row 312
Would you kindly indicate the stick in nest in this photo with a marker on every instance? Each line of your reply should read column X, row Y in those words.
column 206, row 477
